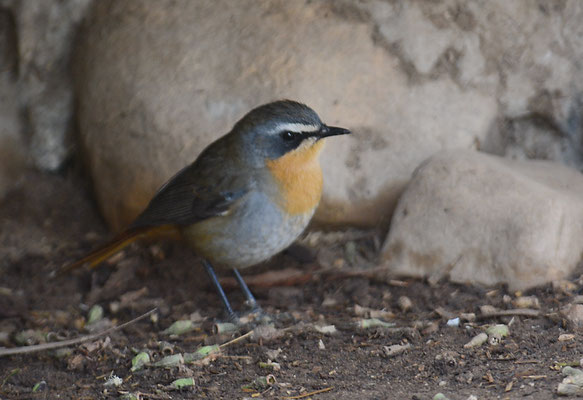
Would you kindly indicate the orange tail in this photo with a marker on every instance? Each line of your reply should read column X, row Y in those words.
column 118, row 243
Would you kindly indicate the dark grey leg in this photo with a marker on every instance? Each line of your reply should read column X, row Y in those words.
column 248, row 295
column 213, row 276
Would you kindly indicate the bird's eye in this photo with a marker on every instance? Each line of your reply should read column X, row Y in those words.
column 288, row 136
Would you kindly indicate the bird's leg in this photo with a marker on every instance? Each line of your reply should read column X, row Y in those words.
column 248, row 295
column 213, row 276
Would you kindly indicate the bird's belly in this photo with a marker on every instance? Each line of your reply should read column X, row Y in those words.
column 253, row 233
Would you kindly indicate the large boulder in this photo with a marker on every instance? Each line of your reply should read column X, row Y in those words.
column 484, row 219
column 159, row 80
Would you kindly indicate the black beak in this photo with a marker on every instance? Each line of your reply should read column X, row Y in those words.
column 326, row 131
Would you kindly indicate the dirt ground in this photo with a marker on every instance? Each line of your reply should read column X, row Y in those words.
column 329, row 280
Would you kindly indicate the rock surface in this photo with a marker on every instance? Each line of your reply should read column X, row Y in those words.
column 484, row 219
column 42, row 35
column 160, row 80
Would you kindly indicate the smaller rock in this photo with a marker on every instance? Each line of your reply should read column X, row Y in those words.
column 572, row 384
column 326, row 329
column 395, row 349
column 527, row 302
column 565, row 337
column 404, row 303
column 574, row 314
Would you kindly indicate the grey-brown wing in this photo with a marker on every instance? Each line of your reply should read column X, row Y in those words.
column 184, row 200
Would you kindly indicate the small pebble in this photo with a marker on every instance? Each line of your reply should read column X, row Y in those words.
column 404, row 303
column 470, row 317
column 454, row 322
column 574, row 314
column 527, row 302
column 572, row 384
column 488, row 309
column 395, row 349
column 326, row 329
column 566, row 337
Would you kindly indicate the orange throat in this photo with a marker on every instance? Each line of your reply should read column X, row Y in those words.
column 299, row 177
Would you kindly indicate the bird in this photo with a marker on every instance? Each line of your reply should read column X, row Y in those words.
column 245, row 198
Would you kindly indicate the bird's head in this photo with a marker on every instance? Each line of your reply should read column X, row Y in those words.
column 282, row 129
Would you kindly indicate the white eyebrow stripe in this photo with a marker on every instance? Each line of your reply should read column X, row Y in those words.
column 296, row 127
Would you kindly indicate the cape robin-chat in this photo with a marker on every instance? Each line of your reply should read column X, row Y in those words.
column 246, row 197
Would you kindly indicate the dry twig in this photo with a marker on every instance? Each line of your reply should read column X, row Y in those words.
column 71, row 342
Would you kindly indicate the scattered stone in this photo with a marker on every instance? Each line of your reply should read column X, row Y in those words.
column 329, row 301
column 572, row 384
column 470, row 317
column 527, row 302
column 454, row 322
column 369, row 312
column 326, row 329
column 63, row 352
column 574, row 314
column 440, row 396
column 76, row 362
column 321, row 345
column 565, row 337
column 488, row 309
column 273, row 354
column 395, row 349
column 477, row 340
column 266, row 333
column 404, row 303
